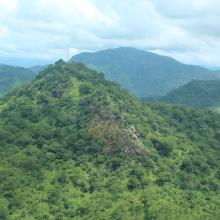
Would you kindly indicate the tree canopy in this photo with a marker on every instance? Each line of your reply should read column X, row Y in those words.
column 76, row 146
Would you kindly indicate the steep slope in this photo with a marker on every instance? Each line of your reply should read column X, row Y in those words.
column 197, row 93
column 75, row 146
column 144, row 73
column 11, row 77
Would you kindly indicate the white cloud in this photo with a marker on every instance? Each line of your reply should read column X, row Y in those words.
column 3, row 31
column 7, row 6
column 53, row 29
column 188, row 8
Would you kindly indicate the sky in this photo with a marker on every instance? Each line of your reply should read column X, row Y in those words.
column 41, row 31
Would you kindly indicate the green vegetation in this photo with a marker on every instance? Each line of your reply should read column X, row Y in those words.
column 75, row 146
column 197, row 93
column 11, row 77
column 145, row 74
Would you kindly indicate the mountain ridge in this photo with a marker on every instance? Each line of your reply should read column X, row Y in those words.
column 197, row 93
column 13, row 76
column 144, row 73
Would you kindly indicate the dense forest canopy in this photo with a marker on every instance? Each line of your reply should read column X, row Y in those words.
column 75, row 146
column 12, row 77
column 198, row 93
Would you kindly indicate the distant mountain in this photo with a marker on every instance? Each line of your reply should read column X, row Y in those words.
column 144, row 73
column 197, row 93
column 76, row 146
column 25, row 62
column 13, row 76
column 38, row 68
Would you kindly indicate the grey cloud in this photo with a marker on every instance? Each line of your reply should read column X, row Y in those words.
column 52, row 29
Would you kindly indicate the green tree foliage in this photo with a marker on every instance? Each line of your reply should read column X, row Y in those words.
column 197, row 93
column 11, row 77
column 75, row 146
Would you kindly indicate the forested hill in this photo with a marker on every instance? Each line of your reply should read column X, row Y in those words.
column 75, row 146
column 144, row 73
column 12, row 76
column 197, row 93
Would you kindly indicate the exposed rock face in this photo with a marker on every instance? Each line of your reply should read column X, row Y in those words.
column 116, row 139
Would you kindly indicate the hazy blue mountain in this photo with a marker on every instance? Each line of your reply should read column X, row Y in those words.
column 25, row 62
column 13, row 76
column 38, row 68
column 197, row 93
column 144, row 73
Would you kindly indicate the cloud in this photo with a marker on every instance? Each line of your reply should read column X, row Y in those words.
column 188, row 8
column 7, row 7
column 53, row 29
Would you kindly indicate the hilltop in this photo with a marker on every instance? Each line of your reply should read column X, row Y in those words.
column 76, row 146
